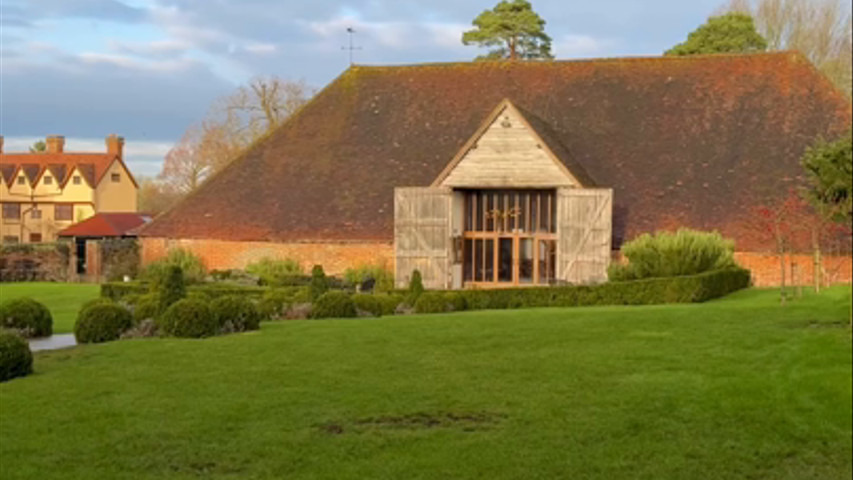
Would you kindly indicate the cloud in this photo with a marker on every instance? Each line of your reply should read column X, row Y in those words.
column 93, row 93
column 26, row 13
column 157, row 48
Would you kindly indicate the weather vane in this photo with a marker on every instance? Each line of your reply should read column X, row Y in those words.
column 351, row 48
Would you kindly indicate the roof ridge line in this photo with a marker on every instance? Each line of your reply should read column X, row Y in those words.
column 527, row 63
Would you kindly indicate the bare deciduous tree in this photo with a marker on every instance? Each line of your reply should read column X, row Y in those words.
column 820, row 29
column 233, row 123
column 183, row 168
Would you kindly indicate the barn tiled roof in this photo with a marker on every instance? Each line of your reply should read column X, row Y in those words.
column 694, row 141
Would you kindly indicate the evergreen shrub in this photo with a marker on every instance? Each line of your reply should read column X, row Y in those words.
column 172, row 288
column 319, row 286
column 16, row 360
column 366, row 303
column 235, row 314
column 333, row 304
column 27, row 316
column 146, row 308
column 188, row 318
column 667, row 254
column 102, row 323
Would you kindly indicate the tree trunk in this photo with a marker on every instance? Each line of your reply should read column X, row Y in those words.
column 780, row 247
column 512, row 46
column 818, row 270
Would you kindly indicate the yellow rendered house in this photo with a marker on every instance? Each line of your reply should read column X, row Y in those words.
column 44, row 192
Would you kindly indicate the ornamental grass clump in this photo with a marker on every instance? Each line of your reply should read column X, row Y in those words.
column 188, row 318
column 191, row 265
column 26, row 316
column 333, row 304
column 666, row 254
column 235, row 314
column 16, row 360
column 102, row 323
column 275, row 272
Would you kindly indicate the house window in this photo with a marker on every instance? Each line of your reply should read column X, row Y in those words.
column 76, row 180
column 48, row 180
column 35, row 238
column 10, row 239
column 12, row 211
column 116, row 177
column 35, row 214
column 63, row 212
column 22, row 180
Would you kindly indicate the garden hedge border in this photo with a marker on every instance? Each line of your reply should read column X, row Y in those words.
column 685, row 289
column 651, row 291
column 118, row 290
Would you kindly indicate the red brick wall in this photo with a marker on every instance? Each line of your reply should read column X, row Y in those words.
column 766, row 271
column 220, row 254
column 337, row 257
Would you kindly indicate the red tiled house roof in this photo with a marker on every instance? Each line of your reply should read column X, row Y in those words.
column 693, row 141
column 106, row 225
column 91, row 166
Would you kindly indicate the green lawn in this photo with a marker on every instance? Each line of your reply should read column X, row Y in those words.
column 63, row 299
column 733, row 389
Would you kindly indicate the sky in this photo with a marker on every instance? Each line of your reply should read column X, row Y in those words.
column 148, row 69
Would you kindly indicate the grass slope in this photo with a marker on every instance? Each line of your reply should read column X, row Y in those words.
column 63, row 299
column 732, row 389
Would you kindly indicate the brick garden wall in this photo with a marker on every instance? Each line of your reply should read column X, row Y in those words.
column 766, row 272
column 337, row 257
column 220, row 254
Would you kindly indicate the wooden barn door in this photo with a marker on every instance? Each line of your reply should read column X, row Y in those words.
column 422, row 238
column 584, row 231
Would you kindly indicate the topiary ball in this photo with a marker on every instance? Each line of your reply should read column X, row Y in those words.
column 189, row 319
column 235, row 314
column 27, row 316
column 102, row 323
column 367, row 303
column 333, row 304
column 16, row 360
column 93, row 302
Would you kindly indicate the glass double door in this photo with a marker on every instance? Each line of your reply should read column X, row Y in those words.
column 509, row 260
column 509, row 237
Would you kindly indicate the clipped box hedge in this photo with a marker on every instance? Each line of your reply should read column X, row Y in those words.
column 685, row 289
column 119, row 290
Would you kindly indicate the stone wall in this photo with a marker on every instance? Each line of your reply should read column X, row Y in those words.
column 335, row 257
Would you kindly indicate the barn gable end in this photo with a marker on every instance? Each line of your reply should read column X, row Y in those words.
column 506, row 152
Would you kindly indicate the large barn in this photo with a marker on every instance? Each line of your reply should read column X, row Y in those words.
column 523, row 173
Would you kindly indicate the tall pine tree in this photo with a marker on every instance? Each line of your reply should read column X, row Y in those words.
column 514, row 28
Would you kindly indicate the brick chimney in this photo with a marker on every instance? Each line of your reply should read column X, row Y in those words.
column 115, row 145
column 55, row 143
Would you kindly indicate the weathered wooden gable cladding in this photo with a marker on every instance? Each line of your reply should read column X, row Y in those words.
column 506, row 152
